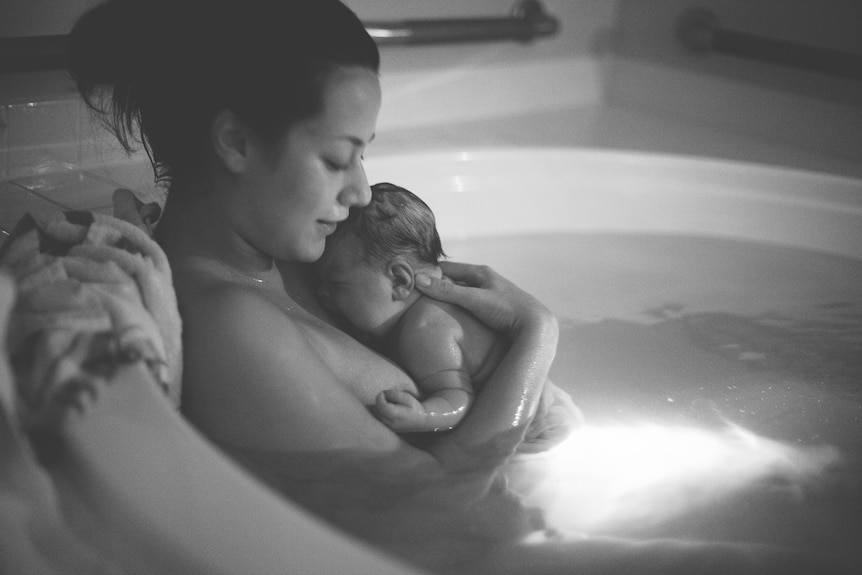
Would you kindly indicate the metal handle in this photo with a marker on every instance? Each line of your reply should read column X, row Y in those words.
column 700, row 31
column 528, row 21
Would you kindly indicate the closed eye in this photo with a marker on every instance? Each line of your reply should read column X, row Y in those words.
column 337, row 166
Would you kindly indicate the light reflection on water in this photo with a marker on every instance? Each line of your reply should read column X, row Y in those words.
column 623, row 476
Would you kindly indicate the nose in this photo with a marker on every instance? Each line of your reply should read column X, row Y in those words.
column 356, row 191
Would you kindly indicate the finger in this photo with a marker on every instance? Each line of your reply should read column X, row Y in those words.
column 397, row 396
column 445, row 290
column 386, row 412
column 381, row 402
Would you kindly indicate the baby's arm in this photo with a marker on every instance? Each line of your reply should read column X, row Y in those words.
column 449, row 395
column 429, row 349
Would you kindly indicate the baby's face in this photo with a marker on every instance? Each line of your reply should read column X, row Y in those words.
column 358, row 290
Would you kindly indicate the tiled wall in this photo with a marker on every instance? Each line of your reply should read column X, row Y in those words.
column 52, row 156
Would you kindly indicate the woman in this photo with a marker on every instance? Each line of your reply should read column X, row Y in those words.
column 258, row 114
column 259, row 122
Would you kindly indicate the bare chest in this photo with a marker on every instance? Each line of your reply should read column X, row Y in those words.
column 358, row 367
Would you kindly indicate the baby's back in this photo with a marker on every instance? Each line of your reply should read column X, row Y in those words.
column 482, row 348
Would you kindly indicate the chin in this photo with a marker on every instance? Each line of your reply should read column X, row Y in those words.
column 311, row 254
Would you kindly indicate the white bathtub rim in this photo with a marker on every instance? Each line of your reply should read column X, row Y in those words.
column 632, row 158
column 478, row 192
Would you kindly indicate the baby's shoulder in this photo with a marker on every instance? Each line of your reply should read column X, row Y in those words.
column 427, row 312
column 430, row 319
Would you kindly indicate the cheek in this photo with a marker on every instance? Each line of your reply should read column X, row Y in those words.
column 359, row 310
column 296, row 193
column 344, row 302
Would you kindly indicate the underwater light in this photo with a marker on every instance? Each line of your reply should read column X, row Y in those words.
column 607, row 477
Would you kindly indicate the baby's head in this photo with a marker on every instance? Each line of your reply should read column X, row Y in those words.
column 367, row 271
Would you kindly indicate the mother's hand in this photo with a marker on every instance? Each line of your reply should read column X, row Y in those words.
column 496, row 301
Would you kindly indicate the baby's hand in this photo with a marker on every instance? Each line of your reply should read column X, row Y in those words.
column 401, row 411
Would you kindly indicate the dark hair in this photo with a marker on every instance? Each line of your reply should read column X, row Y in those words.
column 395, row 222
column 158, row 71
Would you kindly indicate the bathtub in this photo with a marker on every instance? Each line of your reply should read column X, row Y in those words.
column 711, row 333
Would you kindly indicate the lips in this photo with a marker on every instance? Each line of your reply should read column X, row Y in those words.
column 328, row 226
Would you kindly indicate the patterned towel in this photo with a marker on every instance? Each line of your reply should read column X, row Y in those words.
column 94, row 292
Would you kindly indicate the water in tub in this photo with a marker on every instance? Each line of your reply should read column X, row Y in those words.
column 720, row 386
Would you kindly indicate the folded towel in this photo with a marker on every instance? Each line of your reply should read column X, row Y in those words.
column 94, row 292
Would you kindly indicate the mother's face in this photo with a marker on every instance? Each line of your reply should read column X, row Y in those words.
column 296, row 198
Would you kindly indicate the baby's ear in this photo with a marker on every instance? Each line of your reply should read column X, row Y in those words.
column 401, row 273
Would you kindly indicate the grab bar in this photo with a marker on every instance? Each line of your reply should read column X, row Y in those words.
column 699, row 30
column 527, row 21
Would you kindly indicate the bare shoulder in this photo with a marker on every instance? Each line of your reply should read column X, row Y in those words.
column 430, row 318
column 431, row 324
column 231, row 303
column 228, row 329
column 434, row 314
column 217, row 311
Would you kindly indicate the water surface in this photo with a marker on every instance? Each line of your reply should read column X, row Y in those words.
column 720, row 381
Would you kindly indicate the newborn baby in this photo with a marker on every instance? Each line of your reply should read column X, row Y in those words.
column 368, row 274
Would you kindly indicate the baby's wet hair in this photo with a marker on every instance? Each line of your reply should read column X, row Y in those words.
column 395, row 222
